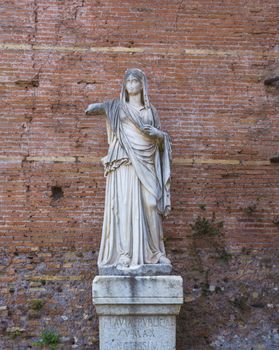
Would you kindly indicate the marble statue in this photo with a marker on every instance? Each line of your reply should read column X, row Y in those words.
column 137, row 170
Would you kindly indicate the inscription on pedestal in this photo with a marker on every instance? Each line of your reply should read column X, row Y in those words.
column 137, row 313
column 138, row 332
column 139, row 345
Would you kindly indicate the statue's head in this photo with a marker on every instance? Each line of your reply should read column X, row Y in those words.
column 134, row 83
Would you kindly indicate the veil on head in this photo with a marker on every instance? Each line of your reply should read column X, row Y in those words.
column 139, row 74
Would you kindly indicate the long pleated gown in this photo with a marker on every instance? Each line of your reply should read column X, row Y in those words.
column 137, row 170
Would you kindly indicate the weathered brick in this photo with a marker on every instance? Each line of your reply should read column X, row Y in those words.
column 206, row 63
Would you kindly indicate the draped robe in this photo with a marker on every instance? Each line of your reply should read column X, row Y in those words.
column 137, row 169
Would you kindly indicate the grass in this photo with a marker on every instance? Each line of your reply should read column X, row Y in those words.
column 250, row 209
column 37, row 304
column 223, row 255
column 206, row 227
column 48, row 338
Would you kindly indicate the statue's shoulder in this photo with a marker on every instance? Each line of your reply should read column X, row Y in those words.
column 112, row 104
column 113, row 100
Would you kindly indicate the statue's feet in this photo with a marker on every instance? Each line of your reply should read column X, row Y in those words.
column 124, row 261
column 164, row 260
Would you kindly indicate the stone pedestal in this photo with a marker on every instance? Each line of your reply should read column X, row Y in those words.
column 137, row 312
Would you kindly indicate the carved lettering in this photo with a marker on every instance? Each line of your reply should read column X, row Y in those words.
column 140, row 345
column 142, row 322
column 138, row 333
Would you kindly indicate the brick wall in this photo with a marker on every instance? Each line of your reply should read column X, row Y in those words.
column 206, row 62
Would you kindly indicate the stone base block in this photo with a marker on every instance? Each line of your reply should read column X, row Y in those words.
column 137, row 313
column 141, row 270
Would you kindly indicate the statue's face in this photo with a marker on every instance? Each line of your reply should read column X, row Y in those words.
column 133, row 85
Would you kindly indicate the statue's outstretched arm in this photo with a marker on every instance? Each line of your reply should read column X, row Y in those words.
column 95, row 108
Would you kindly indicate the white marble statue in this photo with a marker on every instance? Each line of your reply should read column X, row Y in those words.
column 137, row 170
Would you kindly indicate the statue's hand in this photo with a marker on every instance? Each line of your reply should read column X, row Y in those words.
column 153, row 132
column 95, row 108
column 89, row 109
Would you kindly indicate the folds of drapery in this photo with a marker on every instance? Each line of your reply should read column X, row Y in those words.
column 151, row 161
column 132, row 228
